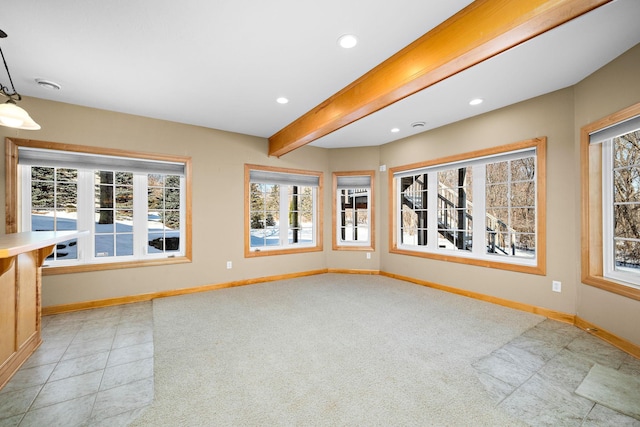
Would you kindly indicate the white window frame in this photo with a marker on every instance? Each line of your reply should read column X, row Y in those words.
column 478, row 254
column 627, row 276
column 22, row 154
column 86, row 220
column 362, row 180
column 594, row 248
column 286, row 179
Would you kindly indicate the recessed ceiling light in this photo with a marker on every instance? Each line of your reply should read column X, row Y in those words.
column 348, row 41
column 476, row 101
column 395, row 130
column 48, row 84
column 418, row 124
column 282, row 100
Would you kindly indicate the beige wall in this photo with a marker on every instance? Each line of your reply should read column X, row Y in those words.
column 355, row 159
column 558, row 116
column 551, row 116
column 218, row 159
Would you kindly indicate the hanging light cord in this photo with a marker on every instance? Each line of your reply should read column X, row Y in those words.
column 4, row 89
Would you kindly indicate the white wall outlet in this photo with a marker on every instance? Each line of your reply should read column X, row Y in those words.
column 229, row 265
column 556, row 286
column 368, row 255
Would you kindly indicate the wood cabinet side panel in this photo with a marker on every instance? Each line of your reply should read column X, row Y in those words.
column 7, row 313
column 27, row 303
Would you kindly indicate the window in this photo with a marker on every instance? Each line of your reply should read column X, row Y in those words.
column 353, row 211
column 282, row 208
column 611, row 203
column 482, row 208
column 135, row 208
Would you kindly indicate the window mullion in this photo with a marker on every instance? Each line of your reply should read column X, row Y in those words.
column 86, row 220
column 284, row 215
column 432, row 210
column 607, row 203
column 140, row 214
column 479, row 209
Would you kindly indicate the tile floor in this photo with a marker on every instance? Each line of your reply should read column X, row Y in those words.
column 534, row 376
column 94, row 368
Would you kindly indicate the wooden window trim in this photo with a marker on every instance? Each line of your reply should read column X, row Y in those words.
column 592, row 269
column 248, row 253
column 334, row 219
column 540, row 145
column 12, row 199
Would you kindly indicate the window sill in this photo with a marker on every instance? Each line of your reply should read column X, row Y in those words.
column 538, row 269
column 363, row 248
column 67, row 269
column 259, row 253
column 611, row 286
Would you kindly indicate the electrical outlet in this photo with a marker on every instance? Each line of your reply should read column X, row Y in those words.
column 556, row 286
column 368, row 255
column 229, row 265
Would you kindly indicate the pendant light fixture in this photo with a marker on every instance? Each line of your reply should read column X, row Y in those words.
column 10, row 114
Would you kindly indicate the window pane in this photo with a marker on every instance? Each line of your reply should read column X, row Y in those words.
column 124, row 244
column 523, row 220
column 353, row 215
column 66, row 195
column 626, row 150
column 454, row 209
column 66, row 175
column 510, row 208
column 627, row 254
column 43, row 220
column 164, row 215
column 39, row 173
column 42, row 194
column 626, row 185
column 54, row 201
column 525, row 245
column 172, row 220
column 104, row 177
column 155, row 180
column 497, row 172
column 66, row 219
column 124, row 178
column 156, row 243
column 413, row 199
column 172, row 198
column 104, row 221
column 172, row 181
column 156, row 198
column 523, row 169
column 124, row 197
column 523, row 194
column 104, row 196
column 104, row 245
column 627, row 221
column 124, row 221
column 497, row 195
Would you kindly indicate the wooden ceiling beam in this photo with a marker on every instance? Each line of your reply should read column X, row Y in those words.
column 478, row 32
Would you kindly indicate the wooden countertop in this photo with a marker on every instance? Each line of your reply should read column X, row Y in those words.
column 17, row 243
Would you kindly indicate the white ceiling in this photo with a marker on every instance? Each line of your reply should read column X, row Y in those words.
column 222, row 64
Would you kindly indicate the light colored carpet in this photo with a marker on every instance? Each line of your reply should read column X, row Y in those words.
column 613, row 389
column 326, row 350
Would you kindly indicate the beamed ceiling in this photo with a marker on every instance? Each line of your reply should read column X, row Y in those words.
column 222, row 64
